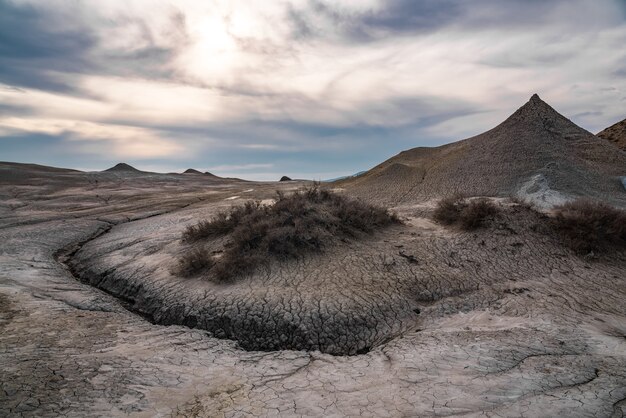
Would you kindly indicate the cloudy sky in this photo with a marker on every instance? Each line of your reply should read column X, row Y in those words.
column 305, row 88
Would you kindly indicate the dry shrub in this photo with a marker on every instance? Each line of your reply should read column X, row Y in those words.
column 476, row 212
column 194, row 261
column 304, row 222
column 221, row 224
column 448, row 210
column 467, row 215
column 587, row 226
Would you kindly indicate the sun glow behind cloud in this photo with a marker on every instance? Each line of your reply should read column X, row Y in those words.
column 309, row 88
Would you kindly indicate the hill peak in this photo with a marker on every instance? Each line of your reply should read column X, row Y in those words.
column 191, row 171
column 536, row 112
column 535, row 103
column 123, row 167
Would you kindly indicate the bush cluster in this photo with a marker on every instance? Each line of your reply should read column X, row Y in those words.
column 587, row 226
column 303, row 222
column 584, row 225
column 470, row 215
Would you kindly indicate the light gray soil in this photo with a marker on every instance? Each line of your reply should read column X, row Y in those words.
column 509, row 323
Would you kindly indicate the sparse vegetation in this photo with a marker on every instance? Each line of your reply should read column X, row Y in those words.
column 587, row 226
column 222, row 223
column 194, row 260
column 465, row 214
column 476, row 212
column 304, row 222
column 448, row 210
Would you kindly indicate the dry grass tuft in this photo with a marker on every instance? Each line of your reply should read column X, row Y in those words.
column 587, row 226
column 304, row 222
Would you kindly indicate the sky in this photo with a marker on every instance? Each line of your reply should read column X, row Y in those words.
column 303, row 88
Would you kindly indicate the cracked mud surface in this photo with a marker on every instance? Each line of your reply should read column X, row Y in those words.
column 509, row 323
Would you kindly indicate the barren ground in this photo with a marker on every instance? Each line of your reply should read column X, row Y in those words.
column 415, row 320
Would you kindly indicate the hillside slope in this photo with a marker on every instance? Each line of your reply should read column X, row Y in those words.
column 536, row 153
column 616, row 134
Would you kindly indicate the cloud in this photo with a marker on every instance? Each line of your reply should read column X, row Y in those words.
column 242, row 167
column 370, row 20
column 265, row 147
column 48, row 45
column 12, row 110
column 92, row 138
column 293, row 86
column 35, row 52
column 384, row 19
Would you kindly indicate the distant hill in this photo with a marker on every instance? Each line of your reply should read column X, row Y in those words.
column 345, row 177
column 24, row 174
column 5, row 165
column 205, row 174
column 536, row 153
column 191, row 171
column 123, row 167
column 616, row 134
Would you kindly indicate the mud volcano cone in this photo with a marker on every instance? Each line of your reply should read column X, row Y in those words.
column 122, row 167
column 535, row 151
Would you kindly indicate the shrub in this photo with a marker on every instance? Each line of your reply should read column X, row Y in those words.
column 303, row 222
column 221, row 224
column 587, row 226
column 448, row 210
column 194, row 261
column 476, row 212
column 467, row 215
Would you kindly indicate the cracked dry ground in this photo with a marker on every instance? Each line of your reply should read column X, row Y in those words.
column 500, row 322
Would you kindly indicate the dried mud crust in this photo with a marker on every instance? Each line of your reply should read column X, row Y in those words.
column 547, row 344
column 359, row 295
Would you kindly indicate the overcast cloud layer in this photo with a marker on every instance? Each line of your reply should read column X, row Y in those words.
column 305, row 88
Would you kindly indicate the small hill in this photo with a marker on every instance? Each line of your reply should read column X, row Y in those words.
column 24, row 173
column 345, row 177
column 285, row 178
column 206, row 174
column 122, row 167
column 616, row 134
column 6, row 165
column 191, row 171
column 536, row 153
